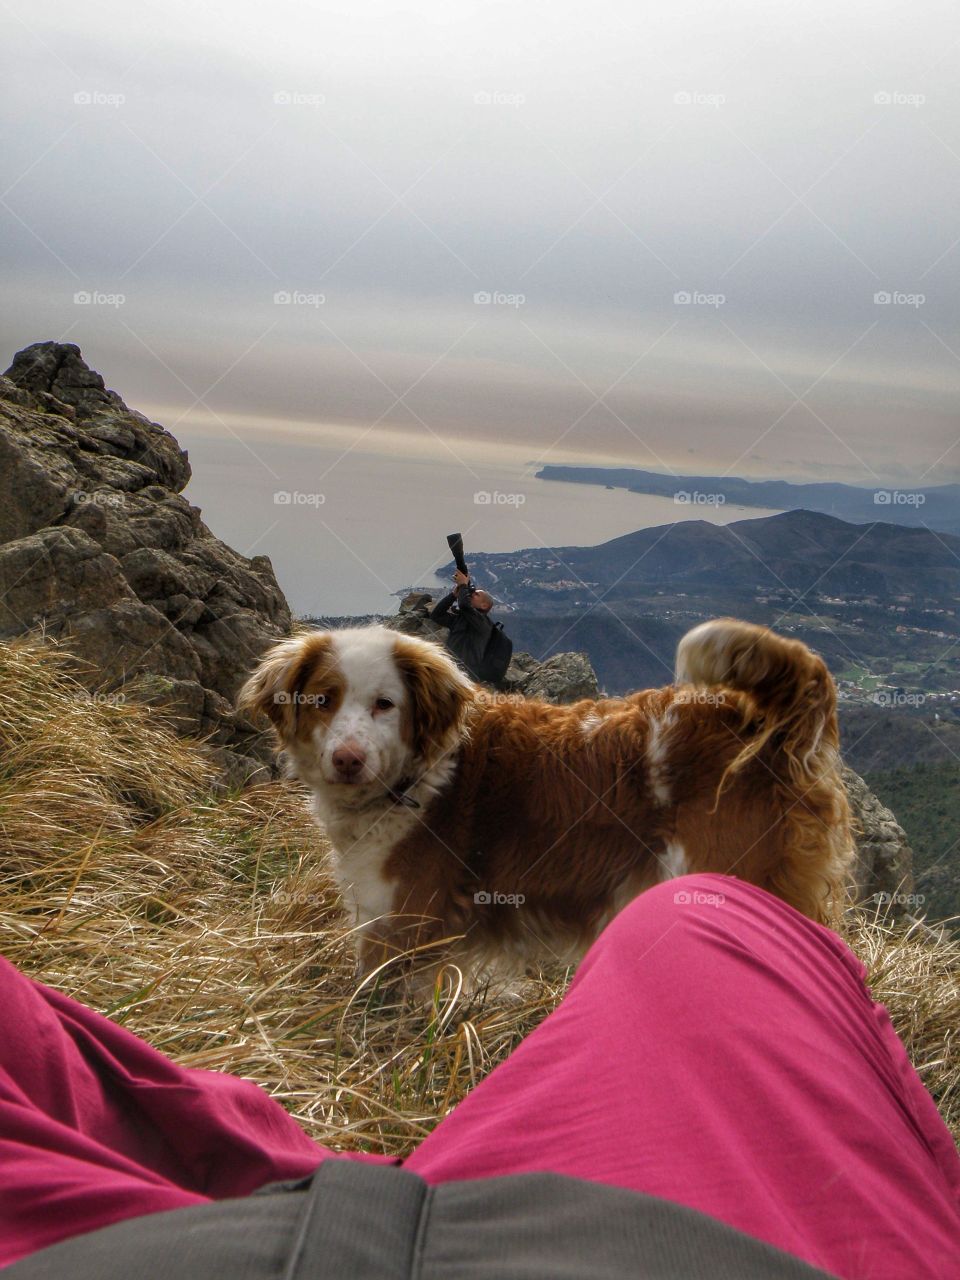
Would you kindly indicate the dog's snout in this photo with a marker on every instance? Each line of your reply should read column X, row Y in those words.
column 349, row 759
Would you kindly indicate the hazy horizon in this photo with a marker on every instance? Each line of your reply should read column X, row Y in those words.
column 365, row 237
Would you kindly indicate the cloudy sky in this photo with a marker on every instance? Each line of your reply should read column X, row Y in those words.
column 474, row 233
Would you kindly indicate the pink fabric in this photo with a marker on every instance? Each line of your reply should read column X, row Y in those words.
column 716, row 1049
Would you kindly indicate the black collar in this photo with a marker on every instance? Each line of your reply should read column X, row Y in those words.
column 398, row 794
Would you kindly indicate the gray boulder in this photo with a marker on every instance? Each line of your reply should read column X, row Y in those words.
column 883, row 872
column 99, row 549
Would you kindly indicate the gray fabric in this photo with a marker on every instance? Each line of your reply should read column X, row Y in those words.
column 371, row 1222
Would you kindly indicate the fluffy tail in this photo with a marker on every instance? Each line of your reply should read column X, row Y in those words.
column 792, row 691
column 791, row 709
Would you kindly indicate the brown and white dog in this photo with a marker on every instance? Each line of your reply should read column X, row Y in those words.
column 512, row 830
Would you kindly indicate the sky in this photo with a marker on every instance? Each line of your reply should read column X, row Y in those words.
column 693, row 238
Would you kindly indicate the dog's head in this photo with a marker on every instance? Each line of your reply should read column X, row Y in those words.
column 359, row 709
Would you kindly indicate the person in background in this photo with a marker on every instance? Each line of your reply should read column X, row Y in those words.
column 465, row 612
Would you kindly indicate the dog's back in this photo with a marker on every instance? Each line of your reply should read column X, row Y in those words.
column 550, row 819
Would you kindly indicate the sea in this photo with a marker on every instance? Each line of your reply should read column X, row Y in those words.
column 349, row 523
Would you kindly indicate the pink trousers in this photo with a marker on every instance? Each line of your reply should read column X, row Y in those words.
column 715, row 1048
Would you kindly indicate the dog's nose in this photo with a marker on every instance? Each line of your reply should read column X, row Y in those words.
column 349, row 759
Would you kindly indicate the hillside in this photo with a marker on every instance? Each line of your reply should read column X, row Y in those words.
column 207, row 923
column 796, row 551
column 926, row 800
column 937, row 507
column 878, row 601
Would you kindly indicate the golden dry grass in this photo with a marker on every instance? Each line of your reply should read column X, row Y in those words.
column 208, row 925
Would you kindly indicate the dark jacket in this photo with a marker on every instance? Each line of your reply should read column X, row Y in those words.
column 469, row 630
column 371, row 1222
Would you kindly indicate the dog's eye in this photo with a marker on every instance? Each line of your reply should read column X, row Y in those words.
column 382, row 704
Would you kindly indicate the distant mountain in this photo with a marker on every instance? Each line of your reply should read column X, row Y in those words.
column 937, row 508
column 798, row 551
column 878, row 601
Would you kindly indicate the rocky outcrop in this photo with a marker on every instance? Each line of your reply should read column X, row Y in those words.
column 101, row 550
column 883, row 872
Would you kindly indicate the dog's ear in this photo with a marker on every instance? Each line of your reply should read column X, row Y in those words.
column 274, row 686
column 439, row 695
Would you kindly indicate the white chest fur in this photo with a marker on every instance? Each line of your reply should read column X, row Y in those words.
column 362, row 844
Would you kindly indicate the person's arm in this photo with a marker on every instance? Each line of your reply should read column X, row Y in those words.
column 475, row 618
column 441, row 610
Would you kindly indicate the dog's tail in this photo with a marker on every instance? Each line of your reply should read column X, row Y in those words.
column 792, row 692
column 789, row 723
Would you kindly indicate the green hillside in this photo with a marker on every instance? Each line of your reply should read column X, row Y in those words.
column 926, row 800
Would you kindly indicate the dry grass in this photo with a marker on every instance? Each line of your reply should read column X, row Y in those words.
column 208, row 925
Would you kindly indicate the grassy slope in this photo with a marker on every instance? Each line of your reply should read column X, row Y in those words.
column 208, row 925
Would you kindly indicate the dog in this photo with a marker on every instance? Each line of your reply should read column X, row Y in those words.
column 502, row 832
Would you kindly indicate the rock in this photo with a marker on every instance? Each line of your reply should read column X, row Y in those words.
column 99, row 549
column 566, row 677
column 883, row 873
